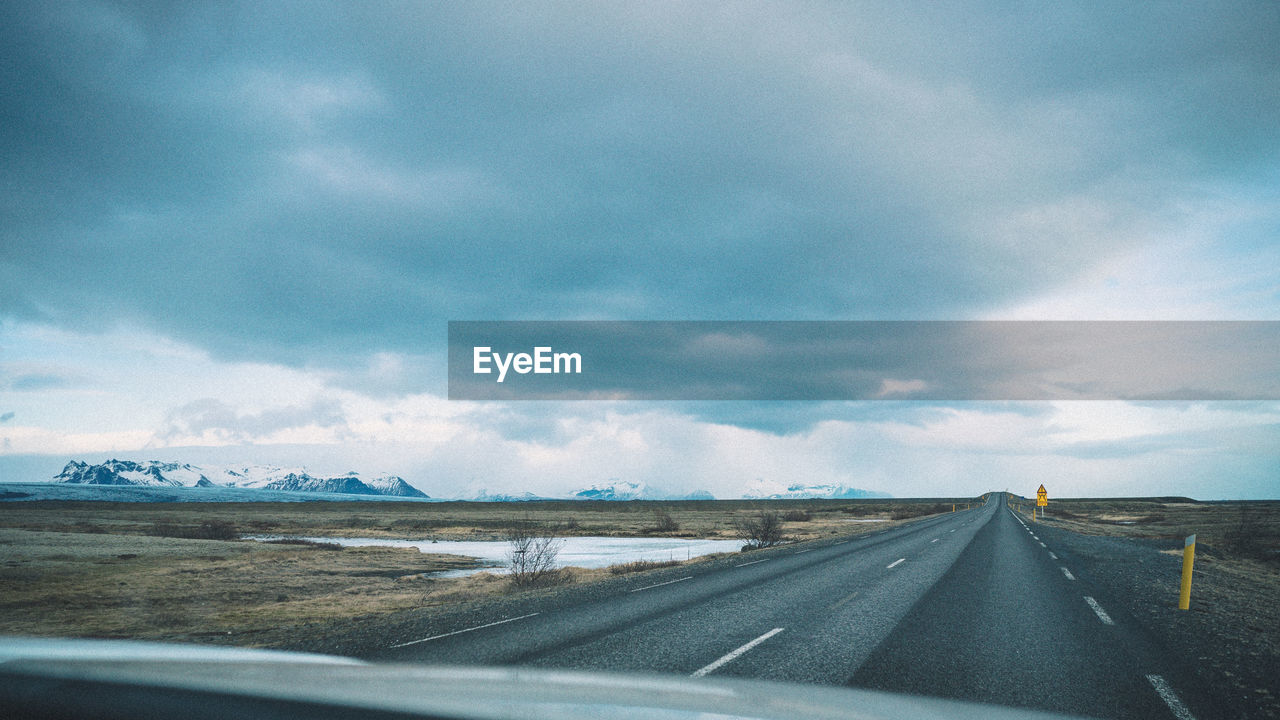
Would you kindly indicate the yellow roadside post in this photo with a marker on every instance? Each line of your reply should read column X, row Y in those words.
column 1188, row 559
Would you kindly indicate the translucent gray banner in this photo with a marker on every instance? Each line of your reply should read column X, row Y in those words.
column 888, row 360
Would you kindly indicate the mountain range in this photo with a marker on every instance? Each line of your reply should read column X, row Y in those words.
column 154, row 473
column 615, row 489
column 761, row 489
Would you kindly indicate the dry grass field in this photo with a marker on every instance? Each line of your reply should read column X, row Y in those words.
column 804, row 519
column 179, row 571
column 1240, row 530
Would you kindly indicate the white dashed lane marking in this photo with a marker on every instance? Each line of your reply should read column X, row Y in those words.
column 459, row 632
column 730, row 657
column 1170, row 698
column 1102, row 614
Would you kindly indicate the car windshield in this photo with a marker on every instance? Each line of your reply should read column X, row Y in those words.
column 930, row 349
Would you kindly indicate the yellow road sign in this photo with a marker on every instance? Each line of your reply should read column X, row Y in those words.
column 1042, row 497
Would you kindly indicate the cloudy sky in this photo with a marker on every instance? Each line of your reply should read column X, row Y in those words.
column 235, row 233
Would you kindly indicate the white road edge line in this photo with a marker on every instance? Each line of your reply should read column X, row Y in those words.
column 650, row 587
column 1067, row 573
column 934, row 540
column 1052, row 556
column 459, row 632
column 1044, row 546
column 735, row 654
column 753, row 562
column 803, row 551
column 1102, row 614
column 1170, row 698
column 895, row 563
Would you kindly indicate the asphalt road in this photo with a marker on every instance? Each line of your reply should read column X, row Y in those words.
column 967, row 605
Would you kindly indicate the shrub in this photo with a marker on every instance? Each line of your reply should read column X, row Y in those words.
column 531, row 554
column 663, row 522
column 761, row 530
column 1251, row 536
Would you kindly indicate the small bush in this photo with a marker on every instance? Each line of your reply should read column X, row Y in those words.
column 797, row 516
column 532, row 553
column 1252, row 536
column 664, row 523
column 761, row 530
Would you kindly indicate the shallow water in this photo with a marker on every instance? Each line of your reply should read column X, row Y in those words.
column 587, row 552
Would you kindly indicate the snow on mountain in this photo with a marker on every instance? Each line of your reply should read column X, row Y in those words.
column 126, row 472
column 761, row 489
column 695, row 495
column 393, row 485
column 156, row 473
column 153, row 473
column 485, row 496
column 614, row 489
column 253, row 476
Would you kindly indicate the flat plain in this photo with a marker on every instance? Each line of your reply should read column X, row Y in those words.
column 182, row 572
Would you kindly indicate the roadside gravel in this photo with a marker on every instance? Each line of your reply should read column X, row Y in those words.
column 1230, row 634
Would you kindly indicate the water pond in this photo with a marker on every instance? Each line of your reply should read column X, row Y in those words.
column 587, row 552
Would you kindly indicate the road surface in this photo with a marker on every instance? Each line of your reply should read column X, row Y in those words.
column 970, row 605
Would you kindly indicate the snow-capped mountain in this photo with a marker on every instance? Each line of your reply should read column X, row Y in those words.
column 127, row 472
column 156, row 473
column 393, row 485
column 614, row 489
column 696, row 495
column 483, row 495
column 761, row 489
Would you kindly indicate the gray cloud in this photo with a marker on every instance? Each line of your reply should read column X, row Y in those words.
column 6, row 417
column 211, row 415
column 1252, row 446
column 314, row 184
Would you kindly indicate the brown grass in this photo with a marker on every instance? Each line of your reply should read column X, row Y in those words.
column 805, row 519
column 1237, row 530
column 177, row 571
column 104, row 585
column 641, row 566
